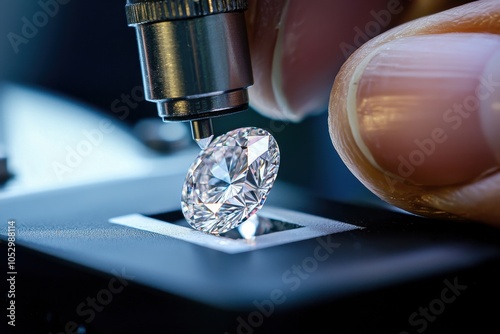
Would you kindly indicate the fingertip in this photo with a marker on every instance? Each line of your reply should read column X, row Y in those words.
column 466, row 188
column 295, row 55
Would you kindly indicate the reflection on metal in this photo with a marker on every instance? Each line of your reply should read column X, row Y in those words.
column 194, row 56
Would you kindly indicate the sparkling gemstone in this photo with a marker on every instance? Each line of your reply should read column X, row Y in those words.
column 230, row 179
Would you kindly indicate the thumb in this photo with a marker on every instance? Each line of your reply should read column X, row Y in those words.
column 415, row 114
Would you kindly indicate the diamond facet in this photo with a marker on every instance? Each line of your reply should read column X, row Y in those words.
column 230, row 179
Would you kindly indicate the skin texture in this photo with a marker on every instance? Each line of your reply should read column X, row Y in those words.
column 417, row 111
column 473, row 198
column 295, row 51
column 294, row 68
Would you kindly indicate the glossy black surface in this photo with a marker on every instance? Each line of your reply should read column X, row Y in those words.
column 373, row 280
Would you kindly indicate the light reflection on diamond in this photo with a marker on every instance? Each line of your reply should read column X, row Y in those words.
column 229, row 180
column 249, row 227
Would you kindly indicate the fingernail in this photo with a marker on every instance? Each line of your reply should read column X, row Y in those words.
column 490, row 105
column 426, row 109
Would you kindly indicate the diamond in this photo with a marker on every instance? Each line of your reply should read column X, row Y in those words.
column 230, row 179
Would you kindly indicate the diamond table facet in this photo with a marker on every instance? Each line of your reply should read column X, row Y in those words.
column 230, row 179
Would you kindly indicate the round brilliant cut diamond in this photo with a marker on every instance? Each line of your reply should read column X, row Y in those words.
column 230, row 179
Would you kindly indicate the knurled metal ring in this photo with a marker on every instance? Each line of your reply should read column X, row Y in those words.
column 139, row 12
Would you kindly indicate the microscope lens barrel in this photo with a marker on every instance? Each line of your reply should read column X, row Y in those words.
column 194, row 56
